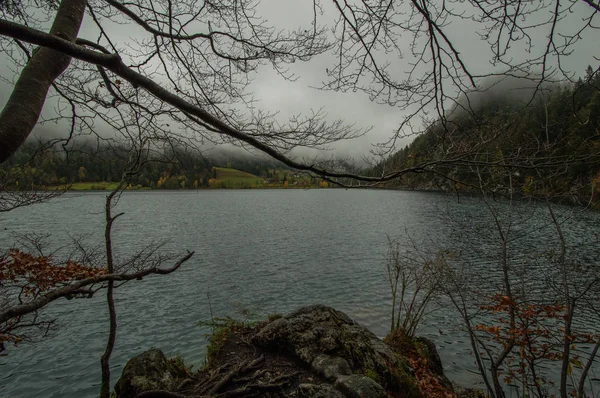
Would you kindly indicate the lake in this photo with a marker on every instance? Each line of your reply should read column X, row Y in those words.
column 258, row 252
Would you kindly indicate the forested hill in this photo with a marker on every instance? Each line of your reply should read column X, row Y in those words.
column 36, row 166
column 551, row 145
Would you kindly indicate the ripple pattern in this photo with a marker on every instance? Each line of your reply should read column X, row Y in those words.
column 259, row 251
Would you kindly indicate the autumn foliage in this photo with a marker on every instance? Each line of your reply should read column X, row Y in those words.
column 24, row 277
column 429, row 384
column 38, row 274
column 536, row 336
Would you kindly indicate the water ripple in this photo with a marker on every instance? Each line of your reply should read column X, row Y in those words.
column 268, row 251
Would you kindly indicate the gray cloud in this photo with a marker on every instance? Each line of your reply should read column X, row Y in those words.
column 275, row 94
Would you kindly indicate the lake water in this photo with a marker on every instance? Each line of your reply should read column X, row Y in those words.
column 265, row 251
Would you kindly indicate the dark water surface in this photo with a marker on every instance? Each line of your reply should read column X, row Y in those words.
column 262, row 250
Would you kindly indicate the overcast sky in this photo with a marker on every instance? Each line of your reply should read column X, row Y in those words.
column 276, row 94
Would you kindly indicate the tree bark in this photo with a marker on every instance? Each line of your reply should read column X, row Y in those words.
column 24, row 106
column 114, row 63
column 110, row 300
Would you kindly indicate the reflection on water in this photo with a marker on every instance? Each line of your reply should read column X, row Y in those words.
column 269, row 251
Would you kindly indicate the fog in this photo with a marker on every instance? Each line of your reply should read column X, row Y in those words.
column 287, row 98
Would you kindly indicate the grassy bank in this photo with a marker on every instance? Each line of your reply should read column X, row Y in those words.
column 222, row 178
column 233, row 178
column 93, row 186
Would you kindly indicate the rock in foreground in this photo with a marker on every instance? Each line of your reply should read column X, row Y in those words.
column 315, row 351
column 149, row 371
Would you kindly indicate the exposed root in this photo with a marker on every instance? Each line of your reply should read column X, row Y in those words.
column 240, row 369
column 164, row 394
column 275, row 383
column 250, row 389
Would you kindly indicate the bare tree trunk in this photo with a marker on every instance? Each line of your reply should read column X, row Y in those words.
column 566, row 350
column 569, row 303
column 24, row 106
column 105, row 360
column 393, row 276
column 503, row 233
column 462, row 310
column 495, row 366
column 401, row 305
column 393, row 312
column 586, row 370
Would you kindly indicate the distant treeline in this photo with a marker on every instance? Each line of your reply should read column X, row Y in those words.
column 37, row 165
column 551, row 145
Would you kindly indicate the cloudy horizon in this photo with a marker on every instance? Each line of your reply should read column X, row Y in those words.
column 276, row 95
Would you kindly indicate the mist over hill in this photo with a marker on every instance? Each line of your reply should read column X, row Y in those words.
column 548, row 136
column 45, row 163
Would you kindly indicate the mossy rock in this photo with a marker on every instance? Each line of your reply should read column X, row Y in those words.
column 222, row 330
column 317, row 330
column 148, row 371
column 403, row 380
